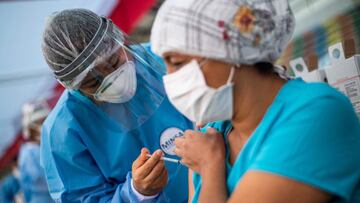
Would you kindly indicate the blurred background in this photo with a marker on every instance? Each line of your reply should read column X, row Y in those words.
column 24, row 75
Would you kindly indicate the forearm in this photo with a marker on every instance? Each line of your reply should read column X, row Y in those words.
column 213, row 187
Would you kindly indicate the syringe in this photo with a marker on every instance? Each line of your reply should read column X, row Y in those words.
column 167, row 159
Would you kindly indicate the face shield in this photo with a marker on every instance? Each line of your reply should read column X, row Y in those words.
column 123, row 74
column 106, row 68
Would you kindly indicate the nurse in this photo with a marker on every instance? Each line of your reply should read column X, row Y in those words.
column 10, row 185
column 32, row 177
column 114, row 107
column 268, row 138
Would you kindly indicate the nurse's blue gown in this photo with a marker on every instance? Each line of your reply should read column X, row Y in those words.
column 32, row 177
column 87, row 155
column 9, row 188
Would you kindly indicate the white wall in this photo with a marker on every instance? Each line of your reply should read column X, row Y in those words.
column 24, row 75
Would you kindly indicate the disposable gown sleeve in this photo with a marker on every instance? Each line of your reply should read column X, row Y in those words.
column 30, row 169
column 72, row 173
column 8, row 189
column 29, row 164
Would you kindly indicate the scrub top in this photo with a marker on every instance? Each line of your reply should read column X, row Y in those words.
column 9, row 188
column 87, row 153
column 32, row 176
column 309, row 134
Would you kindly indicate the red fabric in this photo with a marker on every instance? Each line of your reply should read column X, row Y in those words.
column 127, row 13
column 12, row 151
column 58, row 89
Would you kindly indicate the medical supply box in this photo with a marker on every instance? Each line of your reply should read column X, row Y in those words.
column 344, row 72
column 309, row 73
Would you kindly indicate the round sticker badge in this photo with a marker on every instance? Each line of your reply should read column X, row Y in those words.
column 167, row 139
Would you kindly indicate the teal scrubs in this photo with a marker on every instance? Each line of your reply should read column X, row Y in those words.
column 309, row 134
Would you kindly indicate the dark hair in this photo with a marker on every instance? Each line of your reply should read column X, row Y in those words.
column 264, row 68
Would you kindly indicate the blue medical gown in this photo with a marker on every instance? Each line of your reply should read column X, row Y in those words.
column 8, row 189
column 32, row 176
column 87, row 154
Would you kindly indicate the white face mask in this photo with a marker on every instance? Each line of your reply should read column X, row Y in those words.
column 188, row 92
column 119, row 86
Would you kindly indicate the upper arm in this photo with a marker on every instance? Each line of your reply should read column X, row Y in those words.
column 261, row 187
column 191, row 186
column 312, row 154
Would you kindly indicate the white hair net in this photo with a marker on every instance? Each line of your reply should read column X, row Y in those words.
column 33, row 113
column 66, row 35
column 235, row 31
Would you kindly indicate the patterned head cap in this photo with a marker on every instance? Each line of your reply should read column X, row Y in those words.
column 235, row 31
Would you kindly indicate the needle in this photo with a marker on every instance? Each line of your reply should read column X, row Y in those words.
column 167, row 159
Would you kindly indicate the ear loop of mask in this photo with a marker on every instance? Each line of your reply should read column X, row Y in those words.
column 203, row 62
column 231, row 75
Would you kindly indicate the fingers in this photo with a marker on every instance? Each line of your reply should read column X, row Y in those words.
column 182, row 142
column 179, row 142
column 213, row 134
column 157, row 182
column 142, row 158
column 188, row 133
column 179, row 152
column 156, row 172
column 184, row 161
column 148, row 166
column 211, row 131
column 162, row 179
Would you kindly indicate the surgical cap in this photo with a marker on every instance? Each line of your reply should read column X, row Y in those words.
column 66, row 35
column 32, row 113
column 235, row 31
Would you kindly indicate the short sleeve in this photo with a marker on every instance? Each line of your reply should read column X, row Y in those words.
column 316, row 143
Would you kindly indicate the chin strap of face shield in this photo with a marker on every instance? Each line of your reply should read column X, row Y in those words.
column 86, row 57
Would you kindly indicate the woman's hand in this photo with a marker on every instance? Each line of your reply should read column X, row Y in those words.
column 202, row 153
column 149, row 174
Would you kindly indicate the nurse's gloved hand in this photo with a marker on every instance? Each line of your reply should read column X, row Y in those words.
column 202, row 152
column 149, row 174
